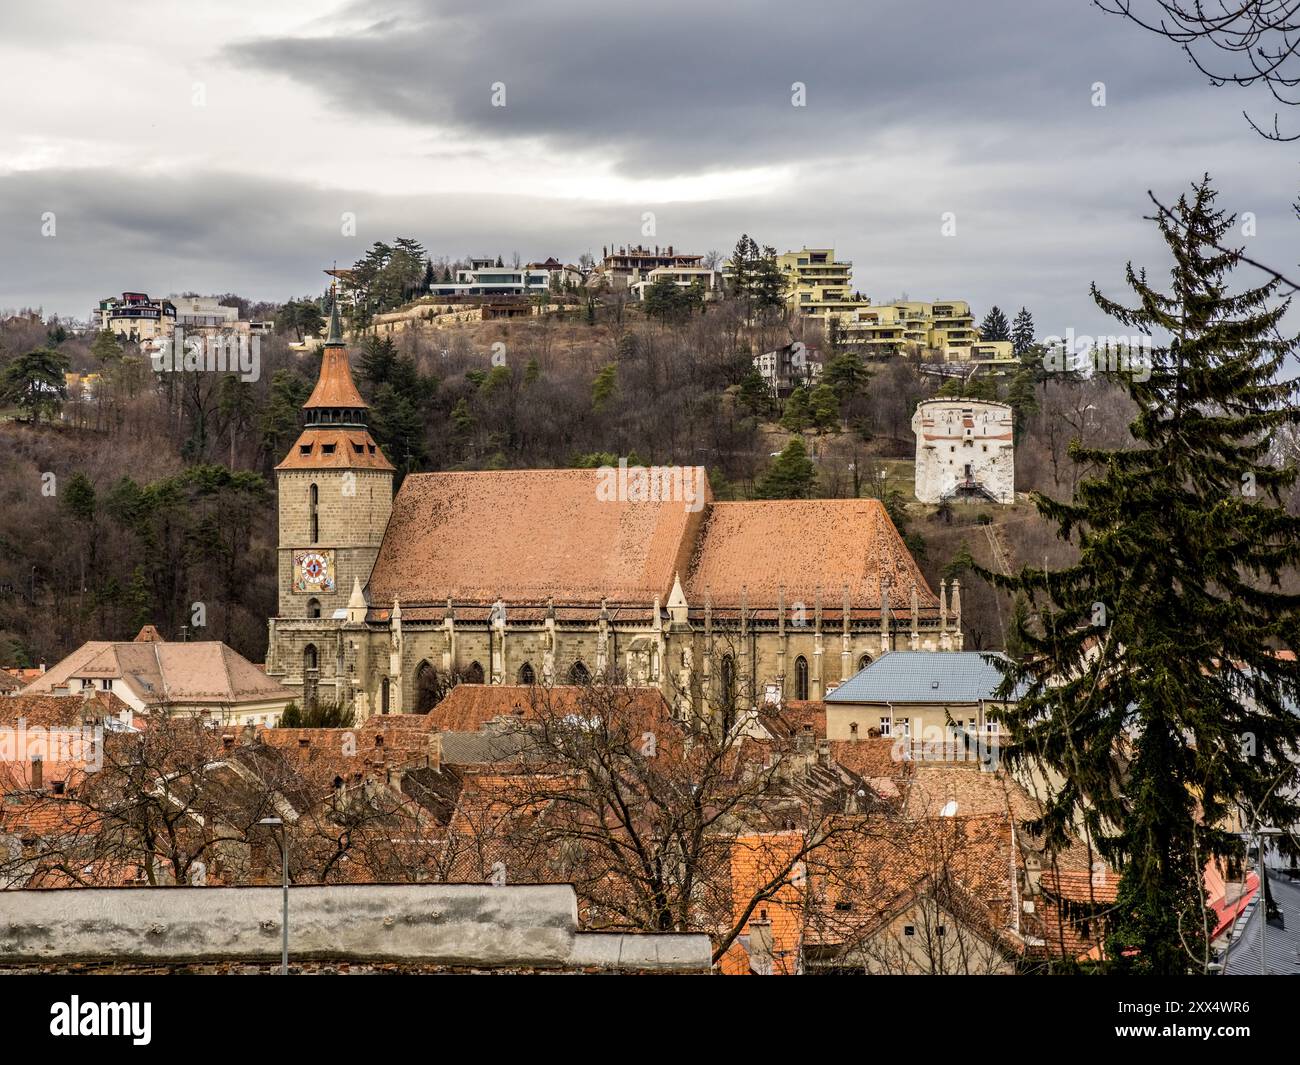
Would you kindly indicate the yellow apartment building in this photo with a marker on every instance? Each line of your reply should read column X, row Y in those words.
column 818, row 285
column 912, row 326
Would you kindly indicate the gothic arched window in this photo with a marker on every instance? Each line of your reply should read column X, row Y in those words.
column 801, row 678
column 474, row 675
column 309, row 656
column 579, row 674
column 526, row 674
column 384, row 696
column 728, row 682
column 426, row 688
column 314, row 512
column 864, row 661
column 313, row 608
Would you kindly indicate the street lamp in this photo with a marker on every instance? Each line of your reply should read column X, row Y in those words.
column 284, row 918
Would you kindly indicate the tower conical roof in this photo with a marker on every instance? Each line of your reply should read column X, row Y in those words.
column 335, row 387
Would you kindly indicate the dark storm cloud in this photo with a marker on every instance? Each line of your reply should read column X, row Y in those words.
column 677, row 87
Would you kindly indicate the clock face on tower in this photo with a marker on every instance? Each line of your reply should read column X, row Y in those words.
column 313, row 571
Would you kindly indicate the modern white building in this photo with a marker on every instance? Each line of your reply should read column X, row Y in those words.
column 484, row 278
column 964, row 451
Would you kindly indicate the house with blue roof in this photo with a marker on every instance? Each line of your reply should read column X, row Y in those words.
column 919, row 696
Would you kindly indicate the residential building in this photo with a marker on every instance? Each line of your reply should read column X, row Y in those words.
column 205, row 679
column 920, row 698
column 484, row 278
column 685, row 277
column 562, row 575
column 965, row 451
column 624, row 266
column 912, row 326
column 820, row 286
column 789, row 367
column 134, row 316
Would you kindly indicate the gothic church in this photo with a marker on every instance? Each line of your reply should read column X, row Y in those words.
column 538, row 576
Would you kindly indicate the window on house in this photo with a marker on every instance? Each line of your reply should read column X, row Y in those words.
column 885, row 726
column 909, row 930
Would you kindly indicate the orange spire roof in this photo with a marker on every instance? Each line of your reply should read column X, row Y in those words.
column 335, row 387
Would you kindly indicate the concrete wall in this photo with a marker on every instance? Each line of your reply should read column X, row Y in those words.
column 453, row 924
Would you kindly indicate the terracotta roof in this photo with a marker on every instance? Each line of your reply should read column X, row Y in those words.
column 977, row 794
column 1081, row 885
column 167, row 673
column 335, row 448
column 335, row 387
column 58, row 711
column 807, row 545
column 871, row 759
column 526, row 535
column 468, row 707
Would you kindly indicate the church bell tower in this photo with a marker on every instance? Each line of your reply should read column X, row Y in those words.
column 335, row 491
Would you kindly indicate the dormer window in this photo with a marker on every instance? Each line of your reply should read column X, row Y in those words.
column 327, row 449
column 304, row 449
column 360, row 450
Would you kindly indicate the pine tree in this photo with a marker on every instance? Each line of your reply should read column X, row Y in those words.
column 106, row 348
column 798, row 415
column 791, row 475
column 1022, row 333
column 994, row 326
column 1153, row 687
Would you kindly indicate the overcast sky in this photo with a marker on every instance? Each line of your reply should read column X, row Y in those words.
column 216, row 147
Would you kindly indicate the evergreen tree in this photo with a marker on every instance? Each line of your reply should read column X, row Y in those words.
column 378, row 359
column 798, row 414
column 846, row 375
column 791, row 475
column 35, row 382
column 824, row 408
column 604, row 387
column 994, row 326
column 755, row 396
column 106, row 348
column 1153, row 687
column 1022, row 333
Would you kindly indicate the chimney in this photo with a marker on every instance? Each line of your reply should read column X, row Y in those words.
column 38, row 774
column 435, row 751
column 760, row 946
column 42, row 667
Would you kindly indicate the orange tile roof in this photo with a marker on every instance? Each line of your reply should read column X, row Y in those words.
column 167, row 672
column 872, row 759
column 1081, row 885
column 807, row 546
column 524, row 536
column 468, row 707
column 335, row 387
column 335, row 448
